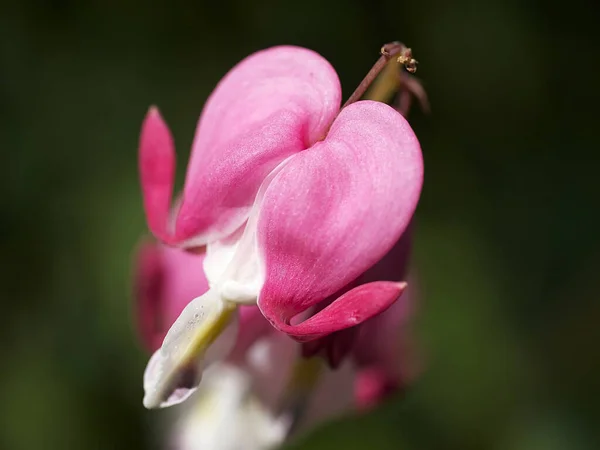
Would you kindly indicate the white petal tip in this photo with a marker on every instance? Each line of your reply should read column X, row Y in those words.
column 151, row 401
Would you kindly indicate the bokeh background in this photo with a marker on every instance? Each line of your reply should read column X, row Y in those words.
column 506, row 240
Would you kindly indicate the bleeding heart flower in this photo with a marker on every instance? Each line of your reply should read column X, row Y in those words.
column 293, row 198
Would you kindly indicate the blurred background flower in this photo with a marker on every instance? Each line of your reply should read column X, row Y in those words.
column 506, row 243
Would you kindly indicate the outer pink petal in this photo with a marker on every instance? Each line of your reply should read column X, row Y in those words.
column 157, row 172
column 335, row 210
column 273, row 104
column 352, row 308
column 167, row 279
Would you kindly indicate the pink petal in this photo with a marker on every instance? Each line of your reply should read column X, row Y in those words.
column 335, row 210
column 336, row 346
column 273, row 104
column 352, row 308
column 166, row 280
column 157, row 172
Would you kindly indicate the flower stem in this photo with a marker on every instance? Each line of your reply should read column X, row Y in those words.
column 388, row 51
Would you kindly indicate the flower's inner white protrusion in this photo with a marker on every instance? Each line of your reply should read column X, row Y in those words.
column 219, row 255
column 233, row 265
column 227, row 415
column 204, row 332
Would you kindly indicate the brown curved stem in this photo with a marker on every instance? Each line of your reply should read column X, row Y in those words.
column 388, row 51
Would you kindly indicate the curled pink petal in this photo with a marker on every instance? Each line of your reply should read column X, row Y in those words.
column 352, row 308
column 381, row 340
column 166, row 280
column 336, row 346
column 157, row 172
column 273, row 104
column 332, row 212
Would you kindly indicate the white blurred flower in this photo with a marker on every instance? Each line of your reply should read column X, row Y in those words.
column 245, row 406
column 225, row 414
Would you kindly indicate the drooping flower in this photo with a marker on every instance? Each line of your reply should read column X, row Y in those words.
column 293, row 198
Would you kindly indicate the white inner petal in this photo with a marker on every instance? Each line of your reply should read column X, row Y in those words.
column 219, row 255
column 226, row 415
column 204, row 332
column 233, row 265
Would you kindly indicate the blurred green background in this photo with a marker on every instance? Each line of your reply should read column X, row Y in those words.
column 506, row 247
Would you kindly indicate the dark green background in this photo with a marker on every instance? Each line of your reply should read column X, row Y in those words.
column 506, row 246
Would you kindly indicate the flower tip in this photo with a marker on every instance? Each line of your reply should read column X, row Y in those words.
column 156, row 131
column 167, row 383
column 156, row 138
column 153, row 112
column 151, row 401
column 175, row 370
column 401, row 285
column 156, row 157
